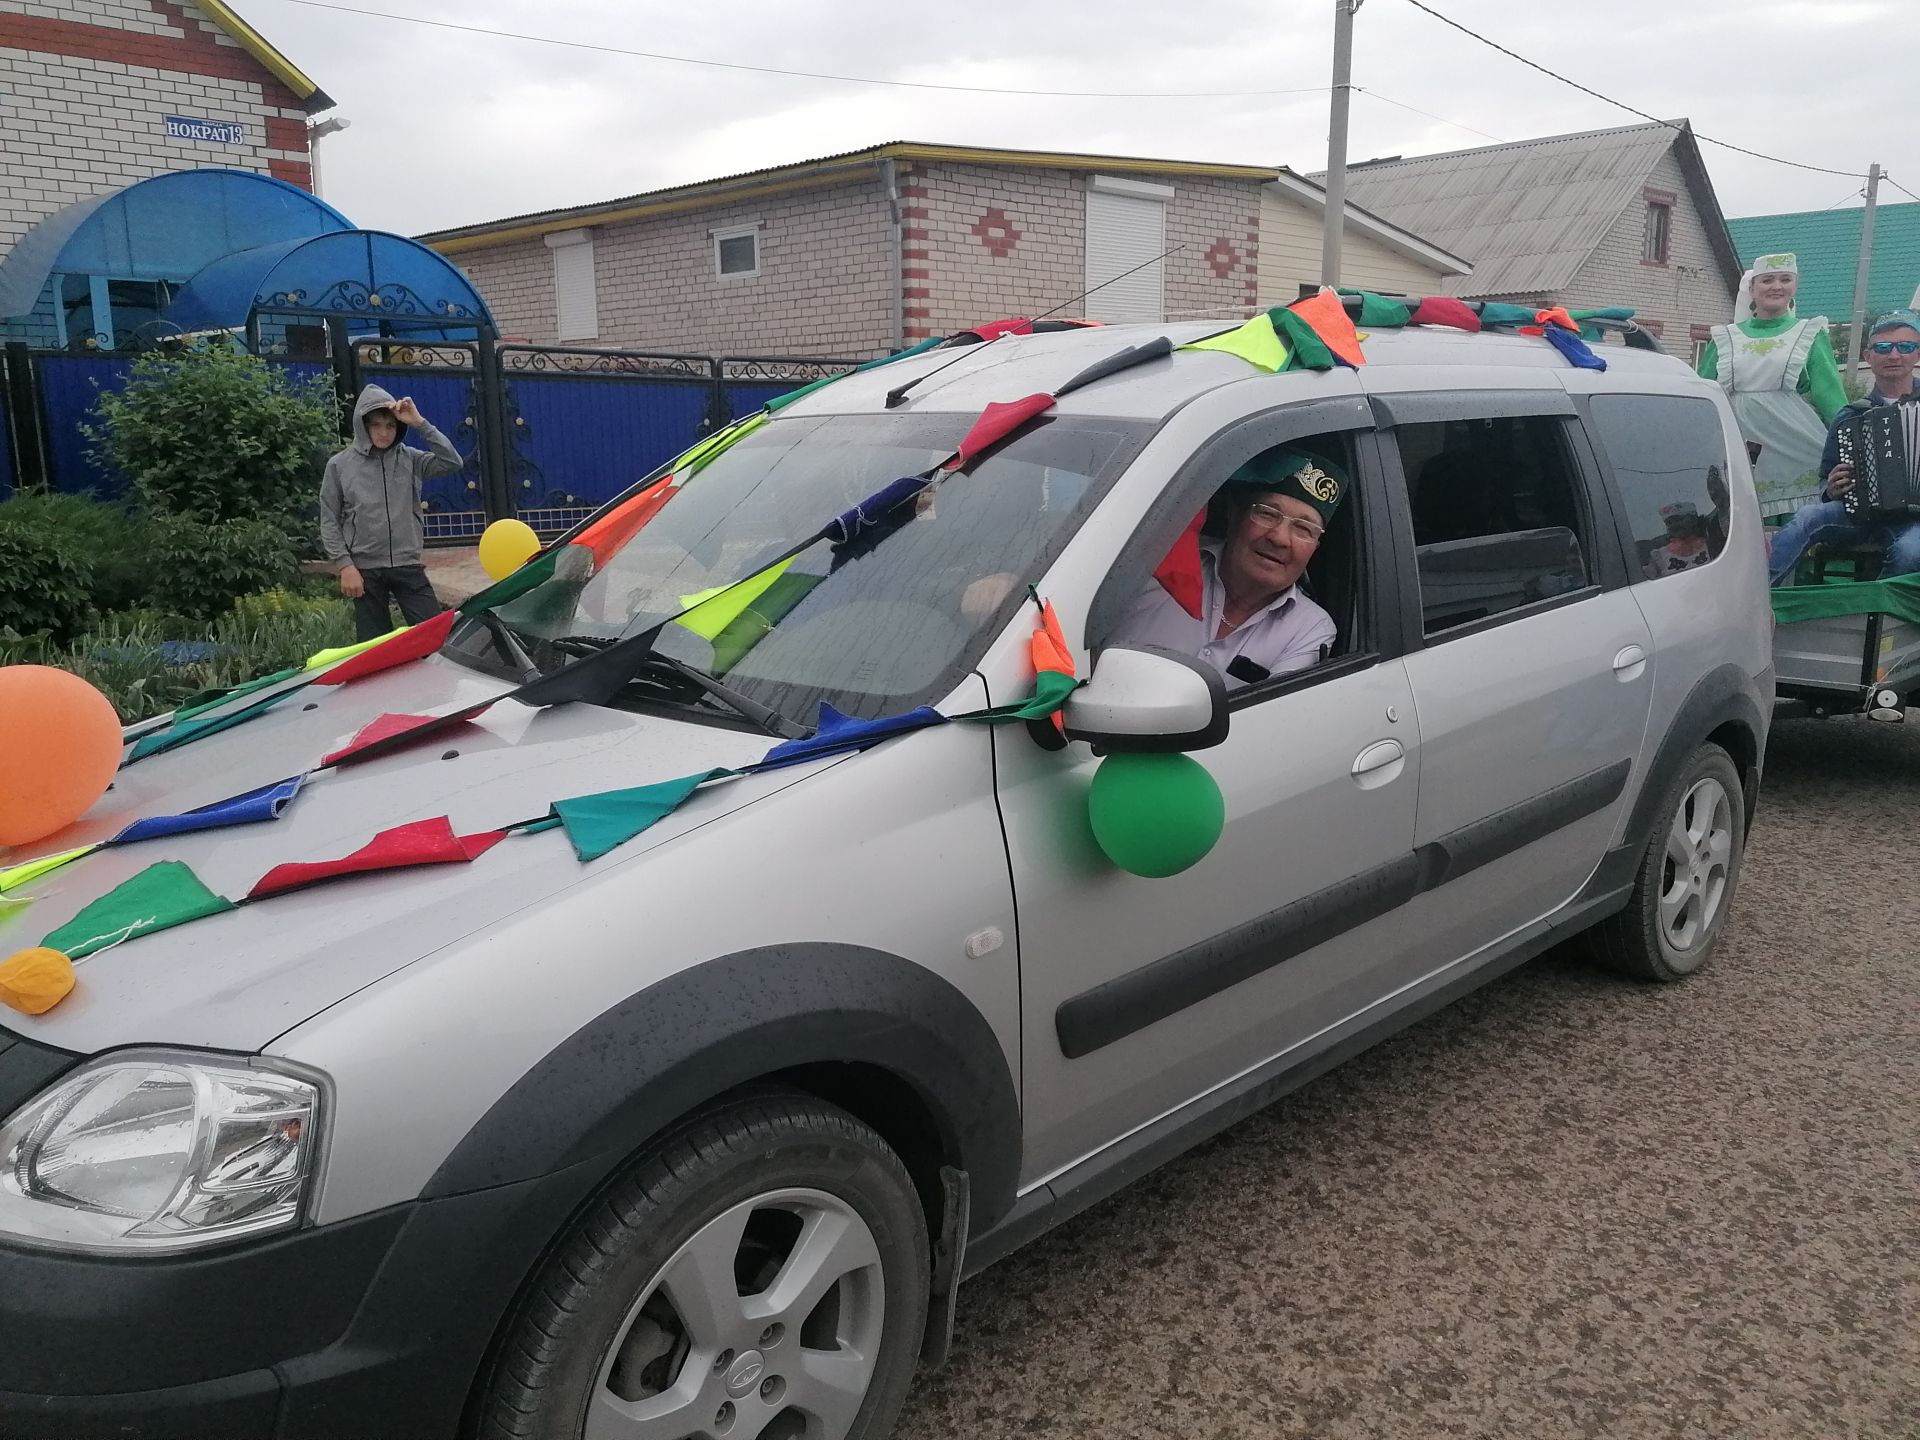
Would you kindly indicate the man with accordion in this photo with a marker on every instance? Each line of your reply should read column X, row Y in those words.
column 1872, row 463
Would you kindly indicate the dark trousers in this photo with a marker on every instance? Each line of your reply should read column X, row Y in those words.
column 404, row 585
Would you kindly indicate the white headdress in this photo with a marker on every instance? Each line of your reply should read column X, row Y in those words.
column 1762, row 265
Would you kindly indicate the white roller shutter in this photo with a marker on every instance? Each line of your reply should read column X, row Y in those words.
column 1126, row 228
column 575, row 301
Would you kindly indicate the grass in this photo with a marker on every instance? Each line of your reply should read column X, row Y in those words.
column 147, row 664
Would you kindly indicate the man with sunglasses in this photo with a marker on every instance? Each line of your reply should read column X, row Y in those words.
column 1893, row 352
column 1253, row 619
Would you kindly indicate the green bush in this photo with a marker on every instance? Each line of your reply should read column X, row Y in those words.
column 213, row 432
column 46, row 573
column 102, row 532
column 197, row 568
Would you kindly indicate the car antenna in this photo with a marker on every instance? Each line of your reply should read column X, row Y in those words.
column 900, row 392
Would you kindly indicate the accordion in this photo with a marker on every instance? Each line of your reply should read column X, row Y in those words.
column 1883, row 447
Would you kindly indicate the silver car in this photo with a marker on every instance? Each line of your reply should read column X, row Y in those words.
column 701, row 1138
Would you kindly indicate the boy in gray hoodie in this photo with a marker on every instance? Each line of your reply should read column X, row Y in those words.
column 370, row 511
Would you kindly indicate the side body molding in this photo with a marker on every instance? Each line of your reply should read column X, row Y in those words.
column 634, row 1070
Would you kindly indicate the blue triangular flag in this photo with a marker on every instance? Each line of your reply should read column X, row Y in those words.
column 266, row 803
column 1574, row 348
column 839, row 733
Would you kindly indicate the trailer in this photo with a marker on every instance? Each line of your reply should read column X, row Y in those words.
column 1845, row 647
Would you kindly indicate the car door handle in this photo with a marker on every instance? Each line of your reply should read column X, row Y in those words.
column 1630, row 663
column 1379, row 764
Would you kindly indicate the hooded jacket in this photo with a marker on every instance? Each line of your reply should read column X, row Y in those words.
column 370, row 499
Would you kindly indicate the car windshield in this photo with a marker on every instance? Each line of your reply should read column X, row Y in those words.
column 889, row 623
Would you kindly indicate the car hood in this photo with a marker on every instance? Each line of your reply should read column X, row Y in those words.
column 234, row 981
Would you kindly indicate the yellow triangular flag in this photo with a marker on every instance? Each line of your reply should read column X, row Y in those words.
column 347, row 652
column 20, row 875
column 699, row 455
column 1256, row 342
column 7, row 907
column 711, row 611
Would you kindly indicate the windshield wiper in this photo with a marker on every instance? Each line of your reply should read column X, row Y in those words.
column 764, row 716
column 509, row 647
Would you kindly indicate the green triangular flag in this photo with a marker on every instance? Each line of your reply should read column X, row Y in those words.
column 1050, row 691
column 1310, row 352
column 1255, row 342
column 1379, row 311
column 158, row 898
column 597, row 823
column 183, row 732
column 534, row 573
column 208, row 699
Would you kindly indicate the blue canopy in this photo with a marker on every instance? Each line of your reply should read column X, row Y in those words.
column 163, row 228
column 359, row 275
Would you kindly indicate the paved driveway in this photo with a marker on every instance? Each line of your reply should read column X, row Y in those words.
column 1568, row 1206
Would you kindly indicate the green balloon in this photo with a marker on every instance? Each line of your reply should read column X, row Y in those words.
column 1155, row 815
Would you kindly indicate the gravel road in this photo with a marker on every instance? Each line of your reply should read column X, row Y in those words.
column 1568, row 1206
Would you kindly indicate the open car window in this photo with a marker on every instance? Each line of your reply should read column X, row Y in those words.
column 891, row 622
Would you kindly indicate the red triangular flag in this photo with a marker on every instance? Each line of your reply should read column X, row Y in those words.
column 992, row 330
column 1179, row 574
column 410, row 644
column 389, row 733
column 996, row 422
column 1445, row 310
column 1332, row 324
column 423, row 842
column 613, row 530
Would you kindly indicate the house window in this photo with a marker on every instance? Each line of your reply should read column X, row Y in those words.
column 736, row 252
column 1126, row 232
column 576, row 301
column 1659, row 231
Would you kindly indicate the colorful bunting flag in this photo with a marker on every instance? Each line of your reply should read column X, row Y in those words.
column 1574, row 348
column 388, row 733
column 845, row 527
column 709, row 612
column 1379, row 310
column 1180, row 574
column 423, row 842
column 209, row 699
column 158, row 898
column 598, row 823
column 413, row 643
column 838, row 734
column 994, row 329
column 10, row 906
column 200, row 726
column 31, row 870
column 322, row 658
column 608, row 535
column 1305, row 349
column 1330, row 321
column 780, row 402
column 1053, row 677
column 906, row 354
column 1445, row 310
column 1499, row 312
column 250, row 808
column 996, row 422
column 1256, row 342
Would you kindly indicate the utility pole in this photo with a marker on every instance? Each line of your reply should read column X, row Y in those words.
column 1334, row 222
column 1857, row 342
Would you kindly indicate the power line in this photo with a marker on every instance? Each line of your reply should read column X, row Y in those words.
column 1850, row 195
column 1376, row 95
column 1619, row 104
column 809, row 74
column 1901, row 188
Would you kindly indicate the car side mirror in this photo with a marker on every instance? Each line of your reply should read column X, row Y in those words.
column 1146, row 700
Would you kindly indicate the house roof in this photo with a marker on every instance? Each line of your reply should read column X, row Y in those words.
column 807, row 174
column 1828, row 244
column 1404, row 242
column 1529, row 214
column 310, row 95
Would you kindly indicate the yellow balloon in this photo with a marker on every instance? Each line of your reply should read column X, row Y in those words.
column 505, row 546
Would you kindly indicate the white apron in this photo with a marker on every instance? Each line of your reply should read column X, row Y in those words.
column 1761, row 379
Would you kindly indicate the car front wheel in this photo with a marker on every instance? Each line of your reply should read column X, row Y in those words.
column 760, row 1272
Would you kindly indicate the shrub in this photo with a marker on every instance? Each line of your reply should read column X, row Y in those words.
column 213, row 432
column 197, row 567
column 46, row 574
column 103, row 533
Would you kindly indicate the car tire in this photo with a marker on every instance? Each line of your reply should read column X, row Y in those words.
column 1687, row 876
column 760, row 1270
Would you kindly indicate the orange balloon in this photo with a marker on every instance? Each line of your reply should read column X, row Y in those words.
column 59, row 747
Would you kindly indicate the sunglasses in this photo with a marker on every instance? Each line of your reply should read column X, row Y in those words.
column 1271, row 517
column 1894, row 347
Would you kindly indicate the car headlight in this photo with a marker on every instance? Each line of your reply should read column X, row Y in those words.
column 148, row 1154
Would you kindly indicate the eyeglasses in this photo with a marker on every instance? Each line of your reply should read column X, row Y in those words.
column 1271, row 517
column 1894, row 347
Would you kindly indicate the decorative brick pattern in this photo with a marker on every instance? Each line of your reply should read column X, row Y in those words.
column 85, row 89
column 996, row 232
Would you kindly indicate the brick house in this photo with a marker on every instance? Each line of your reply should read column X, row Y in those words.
column 98, row 94
column 1625, row 216
column 861, row 253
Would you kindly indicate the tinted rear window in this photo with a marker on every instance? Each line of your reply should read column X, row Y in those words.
column 1670, row 460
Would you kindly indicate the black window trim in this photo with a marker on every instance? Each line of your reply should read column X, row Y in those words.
column 1200, row 475
column 1605, row 567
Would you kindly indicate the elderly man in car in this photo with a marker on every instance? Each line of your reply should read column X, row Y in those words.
column 1254, row 620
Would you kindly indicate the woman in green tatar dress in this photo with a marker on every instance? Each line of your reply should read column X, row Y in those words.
column 1781, row 376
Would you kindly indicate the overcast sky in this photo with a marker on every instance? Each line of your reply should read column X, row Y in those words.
column 450, row 128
